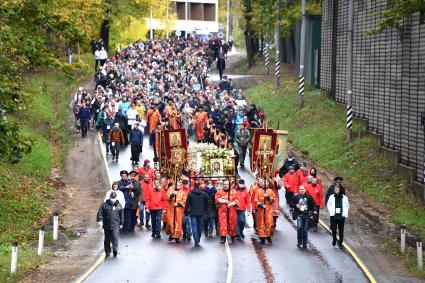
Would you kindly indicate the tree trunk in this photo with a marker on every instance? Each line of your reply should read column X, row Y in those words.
column 104, row 33
column 249, row 34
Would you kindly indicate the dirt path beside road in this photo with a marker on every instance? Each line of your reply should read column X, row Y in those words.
column 83, row 186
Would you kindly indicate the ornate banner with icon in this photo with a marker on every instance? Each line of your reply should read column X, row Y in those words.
column 264, row 143
column 175, row 143
column 280, row 153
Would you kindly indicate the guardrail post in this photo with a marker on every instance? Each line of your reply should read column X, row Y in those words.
column 55, row 225
column 40, row 241
column 419, row 253
column 403, row 239
column 14, row 263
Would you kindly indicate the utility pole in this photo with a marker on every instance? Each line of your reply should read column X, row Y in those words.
column 302, row 51
column 350, row 71
column 150, row 23
column 228, row 21
column 277, row 36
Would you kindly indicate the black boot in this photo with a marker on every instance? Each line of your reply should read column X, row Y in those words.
column 115, row 253
column 223, row 239
column 269, row 240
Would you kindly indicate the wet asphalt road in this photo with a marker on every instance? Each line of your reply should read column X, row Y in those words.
column 143, row 259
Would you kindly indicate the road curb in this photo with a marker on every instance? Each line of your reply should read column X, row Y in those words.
column 102, row 256
column 353, row 255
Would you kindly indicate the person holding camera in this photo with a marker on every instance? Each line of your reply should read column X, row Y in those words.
column 135, row 194
column 303, row 205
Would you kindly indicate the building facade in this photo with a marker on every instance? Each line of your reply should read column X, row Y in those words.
column 200, row 16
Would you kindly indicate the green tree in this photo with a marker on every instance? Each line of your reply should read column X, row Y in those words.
column 392, row 17
column 35, row 33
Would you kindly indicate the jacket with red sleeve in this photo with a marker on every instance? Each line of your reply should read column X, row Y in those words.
column 291, row 182
column 146, row 186
column 244, row 200
column 301, row 177
column 156, row 199
column 150, row 171
column 316, row 193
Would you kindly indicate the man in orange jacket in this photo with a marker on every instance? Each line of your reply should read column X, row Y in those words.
column 264, row 199
column 156, row 203
column 244, row 206
column 226, row 201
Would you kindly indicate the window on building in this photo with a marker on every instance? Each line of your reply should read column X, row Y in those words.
column 209, row 12
column 196, row 10
column 180, row 10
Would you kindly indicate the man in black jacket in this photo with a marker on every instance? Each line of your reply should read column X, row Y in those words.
column 331, row 189
column 290, row 161
column 196, row 206
column 303, row 204
column 110, row 217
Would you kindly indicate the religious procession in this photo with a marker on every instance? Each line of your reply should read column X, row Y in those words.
column 206, row 139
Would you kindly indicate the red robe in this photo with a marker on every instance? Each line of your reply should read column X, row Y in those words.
column 175, row 213
column 200, row 119
column 264, row 222
column 227, row 217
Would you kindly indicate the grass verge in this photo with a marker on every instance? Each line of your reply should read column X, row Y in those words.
column 318, row 130
column 24, row 187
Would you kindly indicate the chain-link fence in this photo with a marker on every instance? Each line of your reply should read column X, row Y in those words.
column 388, row 74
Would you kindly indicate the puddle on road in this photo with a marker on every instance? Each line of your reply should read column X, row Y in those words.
column 261, row 255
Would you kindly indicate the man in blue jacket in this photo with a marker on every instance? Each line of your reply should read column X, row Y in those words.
column 84, row 116
column 136, row 142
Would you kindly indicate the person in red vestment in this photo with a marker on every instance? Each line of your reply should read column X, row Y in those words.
column 264, row 199
column 176, row 200
column 226, row 201
column 199, row 120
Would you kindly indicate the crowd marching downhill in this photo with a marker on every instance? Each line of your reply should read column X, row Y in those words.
column 165, row 84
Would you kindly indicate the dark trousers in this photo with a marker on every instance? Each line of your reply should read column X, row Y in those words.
column 133, row 219
column 135, row 152
column 127, row 219
column 254, row 217
column 220, row 72
column 125, row 134
column 156, row 221
column 84, row 127
column 111, row 236
column 115, row 149
column 302, row 228
column 241, row 222
column 338, row 224
column 196, row 222
column 243, row 154
column 314, row 220
column 289, row 196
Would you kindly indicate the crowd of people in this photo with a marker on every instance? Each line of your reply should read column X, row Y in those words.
column 165, row 84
